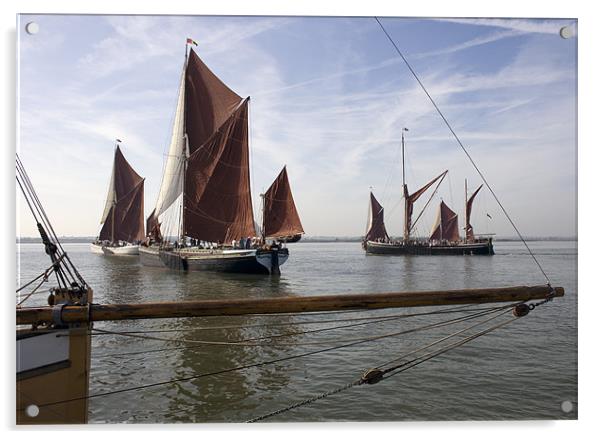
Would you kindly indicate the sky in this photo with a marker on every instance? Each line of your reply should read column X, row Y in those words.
column 329, row 98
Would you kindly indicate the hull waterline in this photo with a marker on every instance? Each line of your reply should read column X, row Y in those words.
column 253, row 261
column 126, row 250
column 385, row 248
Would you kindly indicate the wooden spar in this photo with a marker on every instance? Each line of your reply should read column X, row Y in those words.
column 155, row 310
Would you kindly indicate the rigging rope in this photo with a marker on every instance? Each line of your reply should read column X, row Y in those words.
column 464, row 149
column 260, row 364
column 250, row 341
column 375, row 375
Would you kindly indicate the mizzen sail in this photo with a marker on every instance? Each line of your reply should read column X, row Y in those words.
column 376, row 226
column 280, row 216
column 469, row 229
column 446, row 225
column 123, row 216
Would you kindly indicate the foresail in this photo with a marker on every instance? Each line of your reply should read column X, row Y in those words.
column 376, row 229
column 110, row 196
column 446, row 225
column 173, row 173
column 280, row 216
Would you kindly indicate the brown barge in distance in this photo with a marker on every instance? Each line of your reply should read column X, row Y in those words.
column 444, row 238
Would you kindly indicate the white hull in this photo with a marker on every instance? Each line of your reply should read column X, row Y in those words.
column 126, row 250
column 95, row 248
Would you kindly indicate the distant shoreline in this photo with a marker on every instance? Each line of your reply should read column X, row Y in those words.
column 315, row 239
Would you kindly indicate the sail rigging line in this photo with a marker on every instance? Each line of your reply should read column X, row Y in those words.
column 219, row 372
column 42, row 282
column 428, row 202
column 380, row 374
column 32, row 192
column 249, row 341
column 311, row 322
column 64, row 263
column 44, row 275
column 465, row 151
column 114, row 354
column 454, row 334
column 449, row 347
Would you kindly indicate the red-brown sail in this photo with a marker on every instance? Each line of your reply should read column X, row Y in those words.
column 217, row 196
column 376, row 228
column 123, row 219
column 153, row 227
column 469, row 230
column 280, row 216
column 446, row 225
column 209, row 102
column 411, row 199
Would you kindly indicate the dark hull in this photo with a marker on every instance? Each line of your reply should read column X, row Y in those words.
column 479, row 248
column 250, row 261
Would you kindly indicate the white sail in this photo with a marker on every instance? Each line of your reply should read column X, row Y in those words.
column 173, row 173
column 110, row 197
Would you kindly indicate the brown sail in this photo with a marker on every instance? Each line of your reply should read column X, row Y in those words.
column 123, row 218
column 446, row 225
column 209, row 102
column 153, row 227
column 376, row 228
column 469, row 230
column 217, row 195
column 411, row 199
column 280, row 217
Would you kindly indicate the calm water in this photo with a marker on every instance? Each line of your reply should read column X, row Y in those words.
column 522, row 371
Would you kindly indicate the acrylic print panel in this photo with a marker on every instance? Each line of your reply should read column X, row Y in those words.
column 159, row 178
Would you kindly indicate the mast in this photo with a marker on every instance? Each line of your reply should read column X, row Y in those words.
column 184, row 151
column 406, row 225
column 117, row 141
column 262, row 217
column 465, row 210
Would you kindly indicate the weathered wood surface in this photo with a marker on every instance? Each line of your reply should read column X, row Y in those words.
column 153, row 310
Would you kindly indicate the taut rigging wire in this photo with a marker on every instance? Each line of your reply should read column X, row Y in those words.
column 464, row 149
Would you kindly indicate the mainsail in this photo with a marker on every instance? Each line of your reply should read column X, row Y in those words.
column 280, row 217
column 469, row 230
column 123, row 216
column 376, row 226
column 446, row 225
column 411, row 199
column 206, row 177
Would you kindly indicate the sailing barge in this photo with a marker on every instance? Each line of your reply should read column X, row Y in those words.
column 123, row 215
column 205, row 197
column 444, row 238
